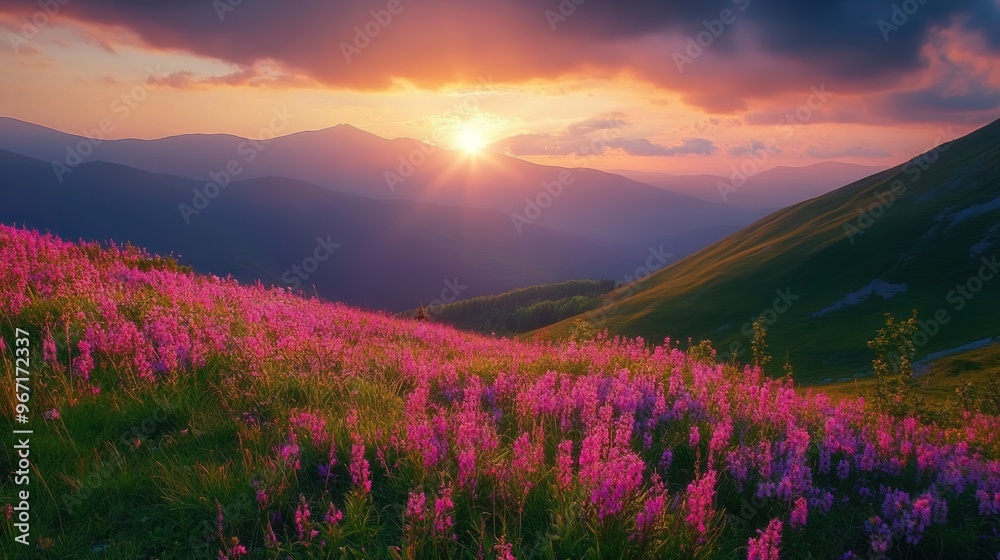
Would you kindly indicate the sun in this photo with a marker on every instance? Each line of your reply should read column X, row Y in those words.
column 470, row 139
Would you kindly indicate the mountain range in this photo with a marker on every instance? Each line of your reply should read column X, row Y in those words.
column 348, row 160
column 382, row 253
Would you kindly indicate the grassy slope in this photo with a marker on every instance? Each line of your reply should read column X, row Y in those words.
column 804, row 248
column 136, row 473
column 494, row 314
column 946, row 375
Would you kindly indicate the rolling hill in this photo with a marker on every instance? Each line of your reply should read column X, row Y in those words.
column 924, row 235
column 516, row 311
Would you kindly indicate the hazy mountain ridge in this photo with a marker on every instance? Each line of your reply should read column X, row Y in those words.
column 345, row 159
column 391, row 253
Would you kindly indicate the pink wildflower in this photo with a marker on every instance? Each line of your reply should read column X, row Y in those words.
column 652, row 511
column 564, row 464
column 467, row 468
column 333, row 516
column 767, row 546
column 289, row 452
column 84, row 363
column 49, row 354
column 314, row 424
column 700, row 495
column 443, row 507
column 416, row 506
column 360, row 468
column 800, row 513
column 694, row 437
column 302, row 525
column 504, row 549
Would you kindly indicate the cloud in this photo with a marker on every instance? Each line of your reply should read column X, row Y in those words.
column 773, row 48
column 957, row 86
column 689, row 146
column 609, row 122
column 960, row 84
column 822, row 152
column 751, row 147
column 258, row 75
column 594, row 137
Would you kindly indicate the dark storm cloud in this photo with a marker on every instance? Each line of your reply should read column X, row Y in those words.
column 956, row 90
column 365, row 45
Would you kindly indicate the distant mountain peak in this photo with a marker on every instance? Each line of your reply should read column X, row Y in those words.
column 339, row 132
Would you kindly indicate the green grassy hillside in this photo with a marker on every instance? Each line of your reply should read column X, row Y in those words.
column 969, row 375
column 922, row 229
column 519, row 310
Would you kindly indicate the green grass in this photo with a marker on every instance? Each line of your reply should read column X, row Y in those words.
column 945, row 376
column 520, row 310
column 114, row 479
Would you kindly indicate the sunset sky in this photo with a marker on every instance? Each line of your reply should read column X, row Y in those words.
column 864, row 82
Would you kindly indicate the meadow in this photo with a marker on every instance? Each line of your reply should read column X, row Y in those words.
column 178, row 415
